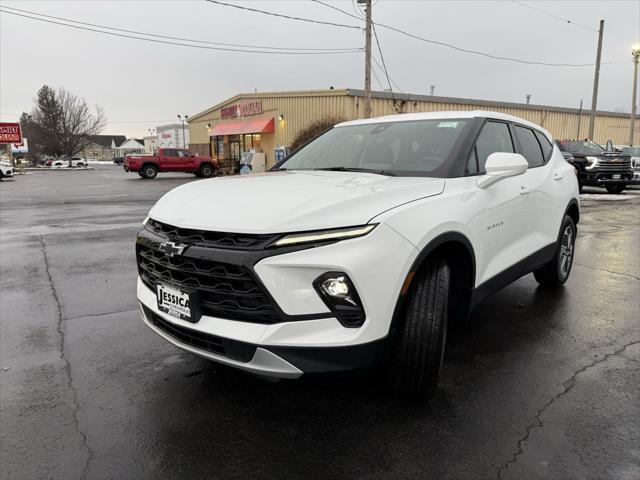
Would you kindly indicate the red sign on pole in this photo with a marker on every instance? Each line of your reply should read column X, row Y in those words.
column 10, row 133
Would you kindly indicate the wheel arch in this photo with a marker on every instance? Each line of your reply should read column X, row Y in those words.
column 573, row 210
column 457, row 249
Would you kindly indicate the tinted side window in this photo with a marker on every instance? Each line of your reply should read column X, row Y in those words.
column 183, row 153
column 545, row 144
column 168, row 152
column 529, row 146
column 495, row 137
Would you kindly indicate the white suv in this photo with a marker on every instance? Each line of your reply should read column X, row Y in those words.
column 360, row 248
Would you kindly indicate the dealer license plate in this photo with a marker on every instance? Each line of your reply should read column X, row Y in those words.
column 616, row 176
column 174, row 301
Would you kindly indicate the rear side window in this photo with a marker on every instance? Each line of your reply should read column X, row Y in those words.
column 529, row 146
column 168, row 152
column 494, row 137
column 547, row 148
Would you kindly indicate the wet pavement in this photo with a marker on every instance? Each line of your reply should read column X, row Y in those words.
column 543, row 384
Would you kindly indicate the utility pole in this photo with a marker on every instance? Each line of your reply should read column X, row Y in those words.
column 596, row 78
column 367, row 60
column 636, row 55
column 579, row 120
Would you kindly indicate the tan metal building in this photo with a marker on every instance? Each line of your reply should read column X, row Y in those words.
column 266, row 121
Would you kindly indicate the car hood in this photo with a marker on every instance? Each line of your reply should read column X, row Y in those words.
column 278, row 202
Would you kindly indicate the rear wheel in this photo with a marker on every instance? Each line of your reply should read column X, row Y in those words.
column 616, row 188
column 149, row 171
column 557, row 271
column 420, row 344
column 205, row 171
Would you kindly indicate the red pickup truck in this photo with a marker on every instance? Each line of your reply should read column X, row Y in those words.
column 170, row 160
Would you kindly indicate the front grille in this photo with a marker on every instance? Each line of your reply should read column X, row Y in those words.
column 204, row 238
column 225, row 290
column 614, row 166
column 240, row 351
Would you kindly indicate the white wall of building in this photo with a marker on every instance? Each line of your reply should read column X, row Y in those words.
column 170, row 136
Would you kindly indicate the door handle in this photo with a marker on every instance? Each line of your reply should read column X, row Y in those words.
column 524, row 190
column 557, row 176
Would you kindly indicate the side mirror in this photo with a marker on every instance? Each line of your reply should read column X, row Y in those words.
column 502, row 165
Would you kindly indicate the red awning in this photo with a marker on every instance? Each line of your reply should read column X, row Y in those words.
column 261, row 125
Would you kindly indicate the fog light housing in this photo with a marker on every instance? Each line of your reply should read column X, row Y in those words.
column 339, row 294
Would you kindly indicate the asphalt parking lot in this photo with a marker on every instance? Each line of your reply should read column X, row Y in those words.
column 543, row 384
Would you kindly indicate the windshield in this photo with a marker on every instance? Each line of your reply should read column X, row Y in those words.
column 582, row 147
column 632, row 151
column 409, row 147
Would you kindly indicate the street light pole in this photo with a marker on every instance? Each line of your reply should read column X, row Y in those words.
column 636, row 55
column 184, row 139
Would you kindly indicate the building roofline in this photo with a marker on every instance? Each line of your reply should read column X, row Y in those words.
column 353, row 92
column 282, row 93
column 482, row 103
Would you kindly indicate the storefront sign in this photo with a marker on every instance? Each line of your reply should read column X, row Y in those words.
column 10, row 133
column 251, row 108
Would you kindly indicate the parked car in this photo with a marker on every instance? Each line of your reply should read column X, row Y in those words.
column 634, row 153
column 597, row 166
column 6, row 170
column 362, row 248
column 170, row 160
column 61, row 162
column 118, row 160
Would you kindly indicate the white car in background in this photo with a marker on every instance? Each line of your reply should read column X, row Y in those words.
column 64, row 162
column 6, row 170
column 360, row 249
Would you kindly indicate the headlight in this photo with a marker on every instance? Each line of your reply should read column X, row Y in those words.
column 146, row 220
column 592, row 162
column 323, row 236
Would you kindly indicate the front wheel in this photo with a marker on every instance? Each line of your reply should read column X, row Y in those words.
column 421, row 339
column 557, row 271
column 206, row 171
column 149, row 171
column 616, row 188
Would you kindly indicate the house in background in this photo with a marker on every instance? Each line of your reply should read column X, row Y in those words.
column 129, row 147
column 102, row 147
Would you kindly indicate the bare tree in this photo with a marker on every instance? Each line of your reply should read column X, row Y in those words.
column 313, row 130
column 64, row 123
column 78, row 123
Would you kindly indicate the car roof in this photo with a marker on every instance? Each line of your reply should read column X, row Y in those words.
column 451, row 114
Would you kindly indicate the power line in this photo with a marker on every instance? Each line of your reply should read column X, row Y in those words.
column 565, row 20
column 375, row 60
column 289, row 17
column 460, row 49
column 384, row 67
column 165, row 42
column 176, row 38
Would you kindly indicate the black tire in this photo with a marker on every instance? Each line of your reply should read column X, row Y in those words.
column 149, row 171
column 206, row 170
column 557, row 271
column 419, row 348
column 140, row 174
column 580, row 187
column 616, row 188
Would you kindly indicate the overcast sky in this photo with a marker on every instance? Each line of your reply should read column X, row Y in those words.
column 141, row 84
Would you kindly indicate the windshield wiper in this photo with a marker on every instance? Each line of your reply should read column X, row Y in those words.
column 353, row 169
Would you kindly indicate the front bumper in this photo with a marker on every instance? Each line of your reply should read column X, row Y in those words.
column 7, row 173
column 309, row 339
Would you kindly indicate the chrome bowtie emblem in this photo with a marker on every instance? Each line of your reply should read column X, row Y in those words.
column 171, row 248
